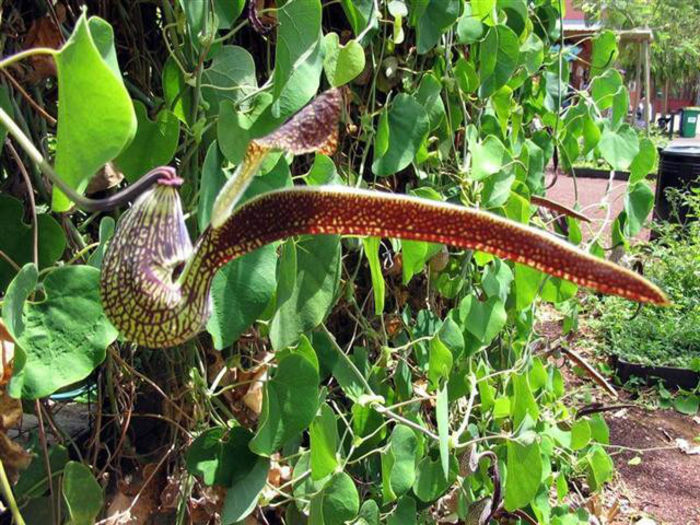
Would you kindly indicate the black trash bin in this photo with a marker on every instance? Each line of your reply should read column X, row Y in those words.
column 679, row 167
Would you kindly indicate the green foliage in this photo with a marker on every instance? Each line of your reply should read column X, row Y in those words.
column 365, row 371
column 82, row 494
column 61, row 338
column 95, row 114
column 668, row 336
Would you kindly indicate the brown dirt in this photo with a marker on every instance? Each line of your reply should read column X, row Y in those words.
column 666, row 484
column 590, row 193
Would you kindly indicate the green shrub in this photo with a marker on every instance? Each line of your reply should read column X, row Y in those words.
column 661, row 336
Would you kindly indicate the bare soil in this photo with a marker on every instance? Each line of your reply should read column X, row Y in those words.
column 666, row 484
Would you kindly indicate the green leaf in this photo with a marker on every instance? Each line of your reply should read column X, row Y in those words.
column 429, row 95
column 228, row 11
column 600, row 467
column 687, row 404
column 96, row 119
column 408, row 125
column 605, row 87
column 469, row 28
column 498, row 58
column 523, row 401
column 176, row 92
column 441, row 415
column 154, row 144
column 466, row 75
column 440, row 363
column 231, row 77
column 304, row 300
column 240, row 292
column 212, row 180
column 242, row 495
column 604, row 52
column 532, row 53
column 501, row 407
column 360, row 13
column 371, row 245
column 6, row 104
column 34, row 481
column 298, row 34
column 639, row 202
column 497, row 280
column 403, row 449
column 404, row 513
column 323, row 171
column 620, row 105
column 599, row 429
column 290, row 400
column 482, row 319
column 619, row 148
column 580, row 435
column 415, row 255
column 65, row 336
column 337, row 503
column 487, row 158
column 82, row 494
column 483, row 10
column 591, row 135
column 106, row 232
column 323, row 434
column 16, row 294
column 17, row 239
column 644, row 162
column 431, row 481
column 437, row 17
column 218, row 456
column 524, row 465
column 342, row 63
column 369, row 513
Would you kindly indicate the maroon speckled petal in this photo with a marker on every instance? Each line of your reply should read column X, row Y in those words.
column 339, row 210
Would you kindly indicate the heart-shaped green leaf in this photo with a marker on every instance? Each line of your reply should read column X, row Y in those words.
column 524, row 465
column 297, row 36
column 338, row 502
column 309, row 274
column 619, row 147
column 290, row 399
column 407, row 125
column 17, row 239
column 231, row 76
column 82, row 494
column 342, row 63
column 644, row 162
column 487, row 158
column 498, row 58
column 65, row 335
column 96, row 119
column 323, row 434
column 639, row 201
column 154, row 144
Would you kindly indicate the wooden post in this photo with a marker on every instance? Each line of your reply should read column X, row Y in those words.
column 647, row 85
column 638, row 80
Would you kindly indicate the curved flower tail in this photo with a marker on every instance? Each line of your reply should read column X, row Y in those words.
column 340, row 210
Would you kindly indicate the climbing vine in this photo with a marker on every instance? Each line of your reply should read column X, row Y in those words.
column 337, row 379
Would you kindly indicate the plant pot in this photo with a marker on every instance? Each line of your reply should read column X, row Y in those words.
column 671, row 376
column 594, row 173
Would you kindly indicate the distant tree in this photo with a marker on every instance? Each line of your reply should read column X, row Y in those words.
column 675, row 51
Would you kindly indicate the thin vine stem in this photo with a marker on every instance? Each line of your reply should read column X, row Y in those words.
column 9, row 496
column 26, row 54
